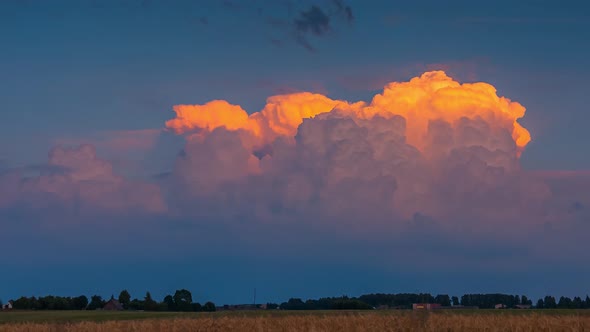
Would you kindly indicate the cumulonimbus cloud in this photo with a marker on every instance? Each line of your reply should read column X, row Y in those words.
column 430, row 146
column 429, row 149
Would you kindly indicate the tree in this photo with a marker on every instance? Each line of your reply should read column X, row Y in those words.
column 169, row 303
column 350, row 304
column 96, row 302
column 455, row 300
column 293, row 304
column 80, row 302
column 196, row 307
column 137, row 304
column 540, row 304
column 577, row 303
column 272, row 306
column 443, row 300
column 22, row 303
column 564, row 302
column 149, row 303
column 182, row 300
column 125, row 298
column 524, row 300
column 550, row 302
column 587, row 302
column 209, row 307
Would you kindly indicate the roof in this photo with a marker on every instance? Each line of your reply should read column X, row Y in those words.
column 113, row 305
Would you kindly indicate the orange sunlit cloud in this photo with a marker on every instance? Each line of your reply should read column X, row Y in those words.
column 432, row 96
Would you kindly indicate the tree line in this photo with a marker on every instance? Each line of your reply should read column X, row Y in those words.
column 405, row 301
column 182, row 300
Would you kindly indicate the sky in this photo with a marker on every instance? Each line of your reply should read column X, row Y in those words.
column 302, row 148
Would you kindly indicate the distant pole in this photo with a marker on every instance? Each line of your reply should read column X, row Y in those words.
column 254, row 296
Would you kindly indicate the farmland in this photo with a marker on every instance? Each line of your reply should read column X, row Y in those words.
column 387, row 320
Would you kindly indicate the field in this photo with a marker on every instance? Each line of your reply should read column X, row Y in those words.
column 474, row 320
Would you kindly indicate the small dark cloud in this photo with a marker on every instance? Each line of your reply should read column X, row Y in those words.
column 317, row 21
column 346, row 10
column 313, row 20
column 290, row 22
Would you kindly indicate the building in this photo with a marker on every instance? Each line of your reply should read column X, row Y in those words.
column 500, row 306
column 425, row 306
column 113, row 305
column 522, row 306
column 7, row 306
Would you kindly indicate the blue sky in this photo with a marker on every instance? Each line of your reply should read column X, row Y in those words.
column 87, row 71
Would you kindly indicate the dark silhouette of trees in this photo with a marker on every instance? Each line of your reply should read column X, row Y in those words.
column 293, row 304
column 326, row 303
column 51, row 302
column 209, row 307
column 196, row 307
column 96, row 302
column 443, row 300
column 149, row 303
column 125, row 298
column 550, row 302
column 403, row 300
column 350, row 304
column 564, row 303
column 183, row 300
column 525, row 300
column 169, row 303
column 80, row 302
column 488, row 301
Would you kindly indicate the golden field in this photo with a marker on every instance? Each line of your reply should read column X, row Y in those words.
column 326, row 321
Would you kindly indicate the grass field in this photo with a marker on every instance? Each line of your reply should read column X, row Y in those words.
column 468, row 320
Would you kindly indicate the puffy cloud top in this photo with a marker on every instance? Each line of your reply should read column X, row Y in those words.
column 421, row 102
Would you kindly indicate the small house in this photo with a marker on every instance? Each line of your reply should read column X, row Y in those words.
column 500, row 306
column 113, row 305
column 425, row 306
column 522, row 306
